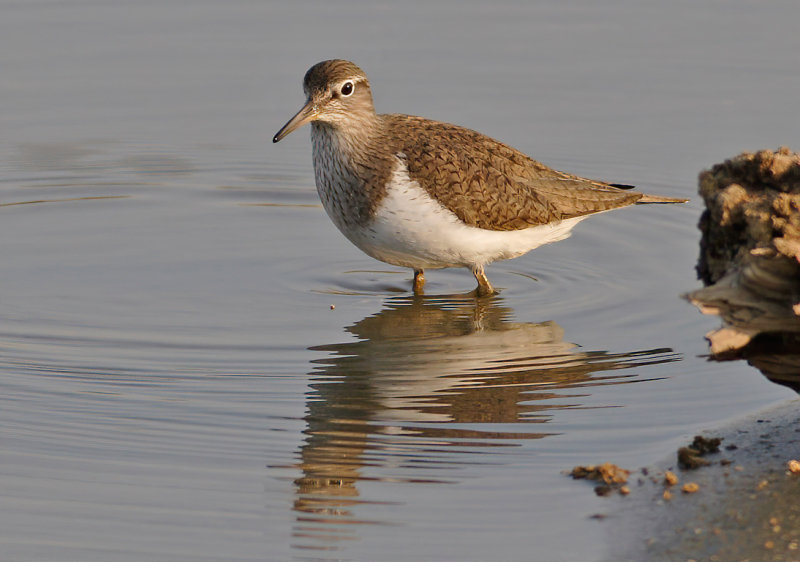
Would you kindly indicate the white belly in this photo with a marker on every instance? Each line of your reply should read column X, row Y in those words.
column 411, row 229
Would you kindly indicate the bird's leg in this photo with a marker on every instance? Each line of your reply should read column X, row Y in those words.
column 419, row 281
column 484, row 287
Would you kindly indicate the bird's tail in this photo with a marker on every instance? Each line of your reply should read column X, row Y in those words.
column 646, row 199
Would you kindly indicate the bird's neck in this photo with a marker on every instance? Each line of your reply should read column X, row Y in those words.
column 354, row 144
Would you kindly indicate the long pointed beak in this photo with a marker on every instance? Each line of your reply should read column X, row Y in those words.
column 307, row 113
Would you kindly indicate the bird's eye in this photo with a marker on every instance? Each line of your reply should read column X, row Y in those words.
column 347, row 88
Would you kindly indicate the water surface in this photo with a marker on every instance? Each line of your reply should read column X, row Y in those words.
column 175, row 383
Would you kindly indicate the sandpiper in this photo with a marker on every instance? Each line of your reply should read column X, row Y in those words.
column 424, row 194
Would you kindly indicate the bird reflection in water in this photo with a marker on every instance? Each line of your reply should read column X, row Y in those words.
column 429, row 384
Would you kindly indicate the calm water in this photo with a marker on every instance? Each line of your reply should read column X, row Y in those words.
column 174, row 382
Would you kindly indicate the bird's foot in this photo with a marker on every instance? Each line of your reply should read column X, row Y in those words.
column 419, row 281
column 484, row 288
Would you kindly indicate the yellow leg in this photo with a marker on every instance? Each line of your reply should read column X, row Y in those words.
column 484, row 287
column 419, row 281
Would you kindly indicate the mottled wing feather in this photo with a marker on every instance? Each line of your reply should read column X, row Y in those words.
column 490, row 185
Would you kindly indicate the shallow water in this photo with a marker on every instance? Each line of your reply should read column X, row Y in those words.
column 175, row 383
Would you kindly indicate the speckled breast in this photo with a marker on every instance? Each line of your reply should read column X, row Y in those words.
column 341, row 191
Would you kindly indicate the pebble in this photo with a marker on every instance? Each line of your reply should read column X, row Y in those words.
column 690, row 488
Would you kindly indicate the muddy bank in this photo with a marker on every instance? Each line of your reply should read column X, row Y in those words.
column 745, row 506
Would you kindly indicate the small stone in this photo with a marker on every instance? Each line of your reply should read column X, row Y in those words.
column 667, row 495
column 333, row 307
column 769, row 545
column 794, row 466
column 690, row 488
column 761, row 485
column 624, row 490
column 603, row 491
column 670, row 478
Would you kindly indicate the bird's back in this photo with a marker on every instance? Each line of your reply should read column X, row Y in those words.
column 490, row 185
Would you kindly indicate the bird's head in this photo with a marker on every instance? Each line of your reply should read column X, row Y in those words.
column 337, row 93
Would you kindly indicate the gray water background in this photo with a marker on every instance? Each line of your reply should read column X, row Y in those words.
column 174, row 384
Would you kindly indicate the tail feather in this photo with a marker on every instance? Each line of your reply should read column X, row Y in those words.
column 646, row 199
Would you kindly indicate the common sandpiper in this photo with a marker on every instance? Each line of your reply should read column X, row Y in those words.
column 424, row 194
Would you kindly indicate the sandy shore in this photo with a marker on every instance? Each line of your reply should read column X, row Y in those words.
column 746, row 507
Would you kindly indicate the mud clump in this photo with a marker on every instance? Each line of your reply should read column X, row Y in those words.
column 750, row 259
column 752, row 202
column 705, row 445
column 690, row 457
column 612, row 477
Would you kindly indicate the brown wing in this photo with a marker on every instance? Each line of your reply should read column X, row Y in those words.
column 490, row 185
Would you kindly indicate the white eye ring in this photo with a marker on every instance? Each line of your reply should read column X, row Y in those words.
column 347, row 89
